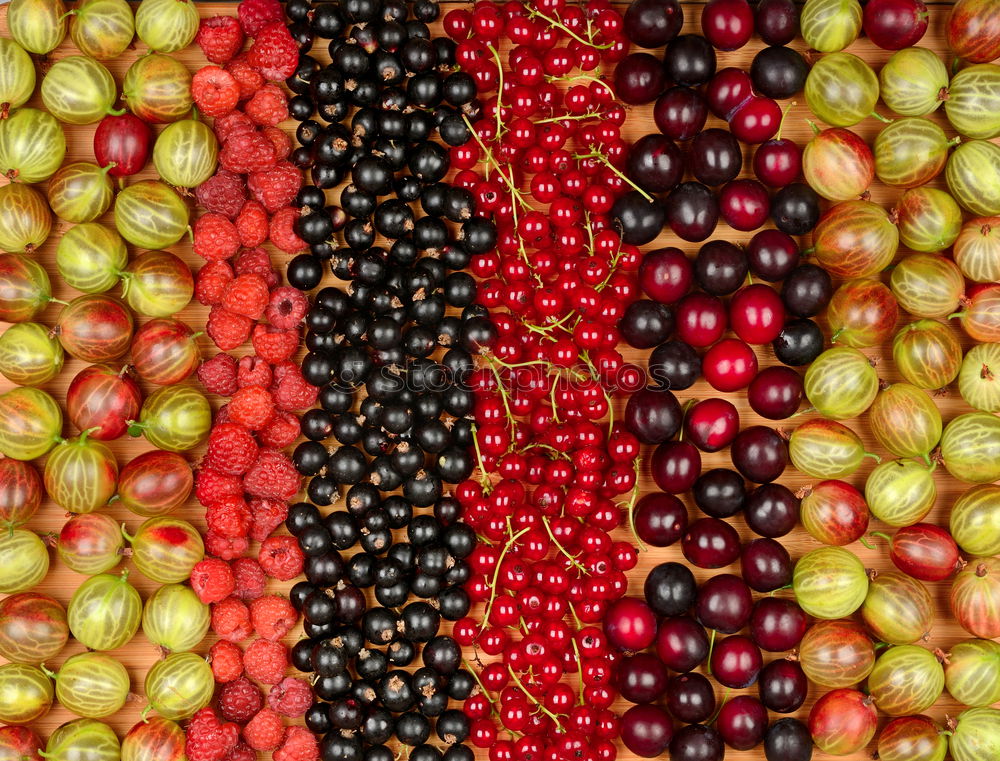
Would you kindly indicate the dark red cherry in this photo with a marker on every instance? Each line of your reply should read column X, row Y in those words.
column 680, row 113
column 772, row 255
column 759, row 453
column 736, row 661
column 783, row 686
column 744, row 204
column 766, row 565
column 720, row 267
column 690, row 698
column 640, row 78
column 729, row 365
column 646, row 730
column 895, row 24
column 710, row 543
column 700, row 320
column 681, row 643
column 697, row 742
column 778, row 162
column 715, row 157
column 720, row 492
column 729, row 89
column 776, row 392
column 777, row 625
column 629, row 624
column 742, row 722
column 655, row 163
column 756, row 120
column 771, row 510
column 653, row 415
column 727, row 24
column 675, row 466
column 660, row 519
column 692, row 211
column 665, row 275
column 724, row 602
column 641, row 678
column 711, row 424
column 689, row 60
column 653, row 23
column 757, row 313
column 777, row 21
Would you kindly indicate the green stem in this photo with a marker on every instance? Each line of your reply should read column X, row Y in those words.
column 607, row 162
column 572, row 558
column 711, row 647
column 536, row 701
column 496, row 575
column 559, row 25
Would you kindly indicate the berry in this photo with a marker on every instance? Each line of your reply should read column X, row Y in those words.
column 207, row 739
column 265, row 661
column 225, row 547
column 280, row 557
column 231, row 449
column 264, row 731
column 214, row 90
column 287, row 307
column 282, row 231
column 247, row 152
column 268, row 106
column 220, row 38
column 233, row 123
column 250, row 578
column 293, row 392
column 212, row 580
column 272, row 475
column 211, row 486
column 252, row 224
column 250, row 80
column 211, row 281
column 227, row 329
column 227, row 661
column 241, row 752
column 273, row 344
column 268, row 515
column 240, row 700
column 290, row 697
column 231, row 621
column 252, row 406
column 254, row 15
column 247, row 295
column 280, row 139
column 219, row 375
column 253, row 371
column 282, row 431
column 215, row 237
column 224, row 192
column 229, row 518
column 276, row 186
column 299, row 745
column 273, row 52
column 256, row 260
column 272, row 616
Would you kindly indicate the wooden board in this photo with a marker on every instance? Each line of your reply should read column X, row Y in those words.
column 139, row 654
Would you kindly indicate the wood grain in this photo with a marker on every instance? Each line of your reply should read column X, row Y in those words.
column 139, row 654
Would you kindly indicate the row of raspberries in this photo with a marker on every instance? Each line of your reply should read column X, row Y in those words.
column 245, row 479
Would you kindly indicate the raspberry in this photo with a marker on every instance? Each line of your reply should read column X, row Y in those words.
column 231, row 449
column 247, row 152
column 227, row 661
column 224, row 192
column 290, row 697
column 211, row 281
column 274, row 53
column 265, row 661
column 211, row 486
column 222, row 414
column 272, row 616
column 247, row 295
column 241, row 752
column 281, row 141
column 231, row 621
column 252, row 406
column 220, row 38
column 229, row 518
column 273, row 344
column 273, row 475
column 264, row 731
column 219, row 375
column 282, row 231
column 227, row 329
column 280, row 557
column 299, row 745
column 286, row 308
column 214, row 90
column 249, row 575
column 207, row 739
column 277, row 186
column 281, row 432
column 256, row 14
column 250, row 80
column 215, row 237
column 233, row 123
column 240, row 700
column 251, row 224
column 256, row 260
column 225, row 547
column 251, row 370
column 212, row 580
column 293, row 392
column 267, row 107
column 280, row 370
column 268, row 515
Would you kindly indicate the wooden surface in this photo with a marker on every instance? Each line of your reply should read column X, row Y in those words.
column 139, row 654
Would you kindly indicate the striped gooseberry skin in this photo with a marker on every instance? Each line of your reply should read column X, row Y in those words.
column 32, row 627
column 166, row 25
column 972, row 672
column 975, row 597
column 836, row 654
column 975, row 520
column 155, row 483
column 981, row 316
column 925, row 552
column 78, row 90
column 976, row 736
column 910, row 152
column 179, row 685
column 102, row 29
column 27, row 693
column 900, row 492
column 104, row 397
column 185, row 153
column 905, row 420
column 154, row 739
column 174, row 618
column 841, row 89
column 20, row 492
column 20, row 743
column 81, row 475
column 91, row 257
column 88, row 739
column 838, row 164
column 974, row 30
column 25, row 289
column 25, row 218
column 834, row 512
column 927, row 285
column 929, row 220
column 855, row 239
column 907, row 679
column 17, row 76
column 32, row 423
column 158, row 284
column 32, row 145
column 166, row 549
column 175, row 418
column 977, row 249
column 90, row 543
column 843, row 721
column 977, row 380
column 927, row 354
column 912, row 80
column 104, row 612
column 841, row 383
column 912, row 738
column 970, row 446
column 973, row 104
column 151, row 215
column 165, row 351
column 973, row 177
column 830, row 25
column 29, row 354
column 37, row 26
column 25, row 560
column 95, row 327
column 829, row 582
column 92, row 685
column 157, row 89
column 826, row 449
column 898, row 608
column 862, row 313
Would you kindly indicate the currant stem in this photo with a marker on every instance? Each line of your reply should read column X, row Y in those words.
column 496, row 576
column 607, row 162
column 572, row 558
column 536, row 701
column 560, row 25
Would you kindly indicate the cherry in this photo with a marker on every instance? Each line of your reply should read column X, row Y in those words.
column 697, row 742
column 777, row 21
column 711, row 424
column 742, row 722
column 653, row 415
column 795, row 209
column 720, row 492
column 638, row 218
column 670, row 589
column 710, row 543
column 681, row 643
column 756, row 120
column 655, row 163
column 714, row 157
column 660, row 519
column 700, row 320
column 689, row 60
column 727, row 24
column 720, row 267
column 776, row 624
column 776, row 393
column 771, row 510
column 724, row 603
column 759, row 453
column 778, row 72
column 778, row 162
column 692, row 211
column 675, row 466
column 744, row 204
column 639, row 78
column 729, row 365
column 772, row 255
column 674, row 365
column 729, row 89
column 665, row 275
column 641, row 678
column 766, row 565
column 645, row 324
column 807, row 290
column 629, row 624
column 895, row 24
column 653, row 23
column 756, row 313
column 736, row 661
column 788, row 739
column 798, row 343
column 690, row 698
column 646, row 730
column 783, row 686
column 680, row 113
